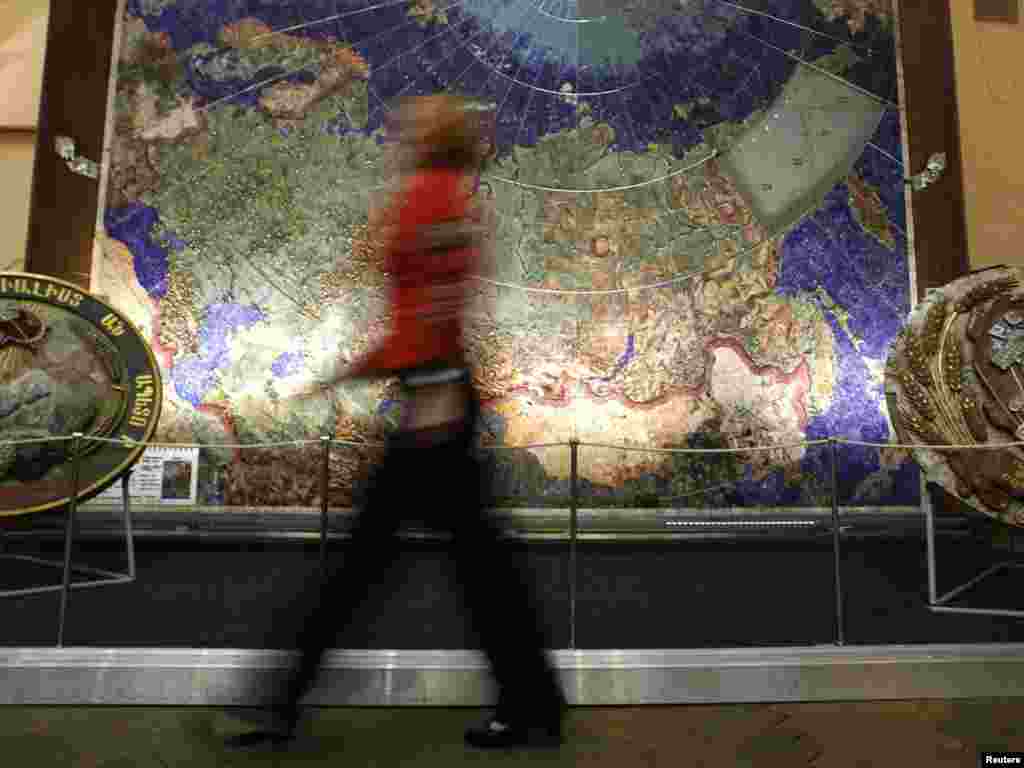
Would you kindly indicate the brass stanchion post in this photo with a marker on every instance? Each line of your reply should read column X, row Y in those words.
column 836, row 559
column 325, row 468
column 573, row 523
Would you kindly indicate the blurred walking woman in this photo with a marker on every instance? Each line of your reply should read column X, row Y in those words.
column 429, row 465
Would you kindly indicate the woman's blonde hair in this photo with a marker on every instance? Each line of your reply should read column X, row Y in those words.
column 445, row 128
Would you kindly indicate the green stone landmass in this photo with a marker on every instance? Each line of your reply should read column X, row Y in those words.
column 245, row 63
column 158, row 69
column 869, row 211
column 842, row 59
column 264, row 216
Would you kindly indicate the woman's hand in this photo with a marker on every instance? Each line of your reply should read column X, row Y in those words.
column 312, row 390
column 349, row 372
column 322, row 387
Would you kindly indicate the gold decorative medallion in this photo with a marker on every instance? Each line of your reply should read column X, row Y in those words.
column 955, row 377
column 68, row 363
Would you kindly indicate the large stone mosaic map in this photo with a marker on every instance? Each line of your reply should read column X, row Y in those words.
column 698, row 234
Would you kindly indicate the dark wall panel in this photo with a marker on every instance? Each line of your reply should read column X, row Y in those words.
column 73, row 103
column 940, row 229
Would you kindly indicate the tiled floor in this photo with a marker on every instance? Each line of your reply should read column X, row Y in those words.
column 935, row 734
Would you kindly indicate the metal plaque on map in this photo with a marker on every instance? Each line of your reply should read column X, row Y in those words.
column 68, row 363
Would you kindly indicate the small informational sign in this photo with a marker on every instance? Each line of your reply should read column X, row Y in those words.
column 164, row 475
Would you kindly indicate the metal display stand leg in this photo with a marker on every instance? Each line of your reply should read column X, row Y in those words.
column 573, row 533
column 837, row 557
column 107, row 577
column 939, row 603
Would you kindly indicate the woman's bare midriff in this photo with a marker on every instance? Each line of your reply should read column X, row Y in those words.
column 435, row 405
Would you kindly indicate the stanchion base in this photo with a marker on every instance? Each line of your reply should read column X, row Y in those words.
column 108, row 577
column 112, row 577
column 940, row 604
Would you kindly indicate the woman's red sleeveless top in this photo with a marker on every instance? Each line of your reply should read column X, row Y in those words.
column 430, row 257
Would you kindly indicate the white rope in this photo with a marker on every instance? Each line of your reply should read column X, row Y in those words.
column 976, row 447
column 746, row 449
column 524, row 447
column 485, row 447
column 354, row 444
column 700, row 491
column 532, row 446
column 31, row 440
column 136, row 443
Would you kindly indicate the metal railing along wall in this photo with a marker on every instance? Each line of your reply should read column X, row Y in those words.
column 327, row 445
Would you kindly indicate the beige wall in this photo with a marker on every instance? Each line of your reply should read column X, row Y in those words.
column 17, row 151
column 22, row 46
column 990, row 96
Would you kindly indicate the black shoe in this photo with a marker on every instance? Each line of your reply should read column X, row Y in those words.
column 495, row 734
column 259, row 740
column 276, row 729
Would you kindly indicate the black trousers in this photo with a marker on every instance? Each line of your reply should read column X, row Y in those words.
column 437, row 476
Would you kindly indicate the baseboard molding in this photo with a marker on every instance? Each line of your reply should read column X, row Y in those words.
column 227, row 677
column 527, row 523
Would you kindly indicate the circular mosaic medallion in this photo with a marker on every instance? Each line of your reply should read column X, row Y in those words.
column 955, row 377
column 68, row 363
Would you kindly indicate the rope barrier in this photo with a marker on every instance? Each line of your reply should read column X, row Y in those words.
column 700, row 491
column 30, row 440
column 532, row 446
column 524, row 447
column 746, row 449
column 354, row 444
column 137, row 443
column 924, row 446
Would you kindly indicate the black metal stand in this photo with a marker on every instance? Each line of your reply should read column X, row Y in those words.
column 66, row 566
column 939, row 603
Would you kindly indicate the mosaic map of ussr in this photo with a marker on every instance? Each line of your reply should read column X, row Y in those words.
column 697, row 217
